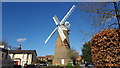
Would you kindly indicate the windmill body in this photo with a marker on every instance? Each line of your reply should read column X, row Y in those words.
column 61, row 54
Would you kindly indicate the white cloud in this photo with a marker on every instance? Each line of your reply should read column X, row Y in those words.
column 21, row 39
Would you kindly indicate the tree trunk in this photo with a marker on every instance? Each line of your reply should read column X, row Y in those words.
column 117, row 13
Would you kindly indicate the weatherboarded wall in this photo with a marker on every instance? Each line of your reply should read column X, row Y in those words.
column 61, row 54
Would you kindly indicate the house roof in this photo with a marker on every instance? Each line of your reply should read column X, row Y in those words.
column 22, row 52
column 41, row 57
column 49, row 56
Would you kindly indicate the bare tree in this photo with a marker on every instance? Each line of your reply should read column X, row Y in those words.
column 73, row 55
column 99, row 15
column 7, row 46
column 104, row 14
column 117, row 11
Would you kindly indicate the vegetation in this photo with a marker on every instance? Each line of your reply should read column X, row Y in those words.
column 36, row 61
column 103, row 13
column 73, row 55
column 86, row 52
column 105, row 48
column 7, row 46
column 105, row 44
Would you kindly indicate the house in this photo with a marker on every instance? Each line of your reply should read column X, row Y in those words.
column 42, row 58
column 47, row 58
column 5, row 59
column 22, row 57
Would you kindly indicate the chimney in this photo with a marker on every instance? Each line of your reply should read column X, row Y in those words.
column 19, row 47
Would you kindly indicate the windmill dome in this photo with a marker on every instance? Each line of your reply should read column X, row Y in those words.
column 67, row 24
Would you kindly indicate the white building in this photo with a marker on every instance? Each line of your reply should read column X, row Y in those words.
column 5, row 60
column 22, row 57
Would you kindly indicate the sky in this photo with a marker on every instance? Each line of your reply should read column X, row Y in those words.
column 58, row 0
column 31, row 23
column 0, row 21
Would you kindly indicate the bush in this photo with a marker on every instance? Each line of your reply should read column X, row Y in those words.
column 17, row 66
column 77, row 66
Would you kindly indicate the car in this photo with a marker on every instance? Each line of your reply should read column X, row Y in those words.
column 91, row 65
column 43, row 64
column 82, row 65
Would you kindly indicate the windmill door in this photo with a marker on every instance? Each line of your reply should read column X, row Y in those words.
column 62, row 61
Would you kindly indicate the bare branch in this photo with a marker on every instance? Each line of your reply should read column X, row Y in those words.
column 103, row 12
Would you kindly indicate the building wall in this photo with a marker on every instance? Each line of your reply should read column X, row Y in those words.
column 0, row 59
column 30, row 58
column 5, row 59
column 41, row 58
column 34, row 57
column 22, row 58
column 62, row 51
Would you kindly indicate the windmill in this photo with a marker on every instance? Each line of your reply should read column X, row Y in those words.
column 61, row 56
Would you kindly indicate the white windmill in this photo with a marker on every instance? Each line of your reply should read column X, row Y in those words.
column 61, row 25
column 61, row 53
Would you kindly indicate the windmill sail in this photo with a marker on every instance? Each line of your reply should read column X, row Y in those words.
column 67, row 15
column 60, row 26
column 62, row 35
column 60, row 30
column 50, row 35
column 56, row 20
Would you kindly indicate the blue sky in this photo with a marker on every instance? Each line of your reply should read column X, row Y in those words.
column 34, row 22
column 58, row 0
column 0, row 21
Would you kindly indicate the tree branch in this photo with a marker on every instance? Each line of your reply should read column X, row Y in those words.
column 103, row 12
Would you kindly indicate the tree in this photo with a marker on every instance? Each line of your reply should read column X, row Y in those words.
column 99, row 16
column 36, row 61
column 4, row 43
column 105, row 44
column 7, row 46
column 86, row 52
column 73, row 55
column 102, row 12
column 117, row 11
column 105, row 48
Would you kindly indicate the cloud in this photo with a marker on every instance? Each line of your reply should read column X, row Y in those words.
column 21, row 39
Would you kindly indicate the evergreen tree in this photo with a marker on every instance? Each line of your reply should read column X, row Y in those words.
column 86, row 52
